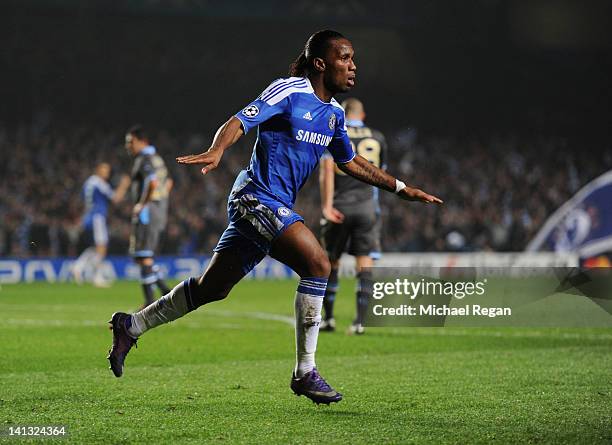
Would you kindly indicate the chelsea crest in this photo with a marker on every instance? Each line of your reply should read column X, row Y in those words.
column 332, row 121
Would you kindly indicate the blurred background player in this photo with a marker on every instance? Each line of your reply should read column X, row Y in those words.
column 97, row 194
column 351, row 215
column 150, row 189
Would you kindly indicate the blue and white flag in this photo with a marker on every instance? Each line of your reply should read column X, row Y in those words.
column 583, row 225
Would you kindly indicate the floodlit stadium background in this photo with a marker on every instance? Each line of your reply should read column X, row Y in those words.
column 502, row 108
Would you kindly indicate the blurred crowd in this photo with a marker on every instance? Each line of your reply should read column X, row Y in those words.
column 498, row 189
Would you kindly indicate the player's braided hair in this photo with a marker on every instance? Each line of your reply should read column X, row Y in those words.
column 316, row 46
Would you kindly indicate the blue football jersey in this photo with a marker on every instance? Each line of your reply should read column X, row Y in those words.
column 97, row 194
column 294, row 128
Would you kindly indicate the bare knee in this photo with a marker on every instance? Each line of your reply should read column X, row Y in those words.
column 223, row 272
column 318, row 265
column 207, row 292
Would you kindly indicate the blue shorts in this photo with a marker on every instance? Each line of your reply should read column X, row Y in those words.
column 255, row 221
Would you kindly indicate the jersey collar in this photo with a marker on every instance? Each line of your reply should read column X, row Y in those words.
column 354, row 123
column 315, row 94
column 148, row 150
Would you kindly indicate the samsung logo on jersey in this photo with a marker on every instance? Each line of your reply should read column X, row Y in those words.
column 313, row 138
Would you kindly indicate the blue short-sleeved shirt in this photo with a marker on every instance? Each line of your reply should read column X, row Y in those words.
column 294, row 128
column 97, row 194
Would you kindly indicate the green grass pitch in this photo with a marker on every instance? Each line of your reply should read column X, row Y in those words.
column 221, row 375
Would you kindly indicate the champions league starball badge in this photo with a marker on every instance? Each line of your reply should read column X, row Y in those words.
column 251, row 111
column 332, row 121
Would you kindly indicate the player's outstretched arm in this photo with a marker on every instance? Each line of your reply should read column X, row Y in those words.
column 124, row 183
column 326, row 187
column 225, row 137
column 360, row 168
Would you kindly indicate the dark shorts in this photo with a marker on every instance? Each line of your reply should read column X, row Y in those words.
column 146, row 230
column 254, row 223
column 358, row 235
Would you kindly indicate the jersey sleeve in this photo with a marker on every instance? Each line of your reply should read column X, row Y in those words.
column 340, row 146
column 269, row 103
column 105, row 189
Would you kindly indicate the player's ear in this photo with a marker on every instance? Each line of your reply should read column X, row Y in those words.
column 319, row 64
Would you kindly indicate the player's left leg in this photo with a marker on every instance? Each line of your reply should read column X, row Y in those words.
column 159, row 282
column 334, row 238
column 147, row 278
column 143, row 244
column 87, row 265
column 328, row 324
column 364, row 244
column 298, row 248
column 80, row 265
column 98, row 276
column 363, row 292
column 223, row 272
column 100, row 235
column 225, row 269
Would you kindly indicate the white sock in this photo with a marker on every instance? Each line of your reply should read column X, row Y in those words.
column 95, row 264
column 307, row 320
column 84, row 258
column 136, row 329
column 168, row 308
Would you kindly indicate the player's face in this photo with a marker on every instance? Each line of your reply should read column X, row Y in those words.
column 104, row 171
column 129, row 144
column 340, row 66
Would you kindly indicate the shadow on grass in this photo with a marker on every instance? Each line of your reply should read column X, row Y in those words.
column 329, row 411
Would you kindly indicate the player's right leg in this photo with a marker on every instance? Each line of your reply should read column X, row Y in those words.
column 225, row 269
column 364, row 241
column 328, row 324
column 147, row 278
column 100, row 235
column 334, row 238
column 98, row 279
column 298, row 248
column 143, row 241
column 80, row 268
column 363, row 292
column 160, row 283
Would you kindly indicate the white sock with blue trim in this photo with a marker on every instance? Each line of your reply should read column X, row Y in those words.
column 168, row 308
column 308, row 303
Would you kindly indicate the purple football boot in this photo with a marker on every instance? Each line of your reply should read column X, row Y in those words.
column 313, row 386
column 122, row 343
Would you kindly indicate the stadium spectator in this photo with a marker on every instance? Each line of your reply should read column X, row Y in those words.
column 499, row 189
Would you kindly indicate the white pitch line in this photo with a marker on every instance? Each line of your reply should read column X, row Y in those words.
column 44, row 307
column 257, row 315
column 39, row 322
column 452, row 332
column 65, row 307
column 76, row 323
